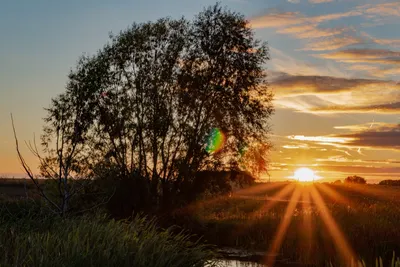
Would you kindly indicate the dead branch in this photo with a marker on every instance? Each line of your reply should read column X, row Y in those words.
column 28, row 171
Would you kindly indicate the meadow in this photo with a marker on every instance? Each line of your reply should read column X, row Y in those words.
column 29, row 236
column 264, row 220
column 257, row 219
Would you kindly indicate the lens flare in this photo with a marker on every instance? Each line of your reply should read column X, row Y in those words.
column 215, row 141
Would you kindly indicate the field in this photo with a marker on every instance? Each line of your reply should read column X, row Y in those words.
column 306, row 223
column 17, row 188
column 30, row 238
column 290, row 222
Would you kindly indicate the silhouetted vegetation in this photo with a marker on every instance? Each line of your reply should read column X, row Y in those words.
column 142, row 111
column 166, row 113
column 29, row 237
column 355, row 180
column 390, row 182
column 366, row 214
column 211, row 183
column 171, row 118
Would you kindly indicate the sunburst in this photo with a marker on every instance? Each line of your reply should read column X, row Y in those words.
column 311, row 196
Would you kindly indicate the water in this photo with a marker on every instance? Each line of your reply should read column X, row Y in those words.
column 244, row 258
column 236, row 263
column 241, row 258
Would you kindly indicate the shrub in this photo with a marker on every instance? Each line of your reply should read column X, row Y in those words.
column 95, row 241
column 390, row 182
column 355, row 180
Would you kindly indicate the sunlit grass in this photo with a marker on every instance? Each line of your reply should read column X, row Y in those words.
column 310, row 223
column 283, row 227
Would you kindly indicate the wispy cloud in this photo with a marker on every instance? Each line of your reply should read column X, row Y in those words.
column 386, row 136
column 282, row 19
column 300, row 26
column 326, row 94
column 388, row 108
column 381, row 10
column 321, row 139
column 307, row 31
column 286, row 84
column 340, row 158
column 380, row 63
column 366, row 126
column 332, row 43
column 381, row 56
column 283, row 63
column 362, row 169
column 381, row 41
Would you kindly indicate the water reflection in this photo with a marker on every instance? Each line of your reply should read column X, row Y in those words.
column 236, row 263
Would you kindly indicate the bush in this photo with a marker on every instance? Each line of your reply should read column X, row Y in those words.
column 390, row 182
column 94, row 241
column 355, row 180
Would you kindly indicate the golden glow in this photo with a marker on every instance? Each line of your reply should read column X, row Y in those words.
column 338, row 237
column 301, row 200
column 305, row 175
column 283, row 227
column 321, row 139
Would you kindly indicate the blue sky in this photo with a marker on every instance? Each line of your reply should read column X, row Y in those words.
column 334, row 70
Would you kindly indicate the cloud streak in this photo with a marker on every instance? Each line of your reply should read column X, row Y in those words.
column 327, row 94
column 299, row 26
column 386, row 136
column 388, row 108
column 380, row 56
column 286, row 84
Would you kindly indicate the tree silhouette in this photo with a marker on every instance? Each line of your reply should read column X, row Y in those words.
column 149, row 99
column 355, row 180
column 390, row 182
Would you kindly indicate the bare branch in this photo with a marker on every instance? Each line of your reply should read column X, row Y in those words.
column 28, row 170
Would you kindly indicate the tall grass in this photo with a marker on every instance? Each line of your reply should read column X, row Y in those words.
column 369, row 223
column 36, row 239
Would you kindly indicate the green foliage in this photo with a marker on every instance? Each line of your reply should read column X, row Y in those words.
column 43, row 240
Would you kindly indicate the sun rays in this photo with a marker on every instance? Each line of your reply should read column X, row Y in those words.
column 297, row 210
column 283, row 226
column 308, row 195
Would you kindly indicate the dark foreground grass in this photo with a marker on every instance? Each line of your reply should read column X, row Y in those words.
column 370, row 221
column 29, row 237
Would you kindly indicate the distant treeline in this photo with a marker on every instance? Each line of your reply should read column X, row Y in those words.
column 390, row 182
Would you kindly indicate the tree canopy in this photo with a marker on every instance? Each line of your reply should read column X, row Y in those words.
column 355, row 180
column 146, row 105
column 390, row 182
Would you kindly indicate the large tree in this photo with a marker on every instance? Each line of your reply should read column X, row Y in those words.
column 148, row 102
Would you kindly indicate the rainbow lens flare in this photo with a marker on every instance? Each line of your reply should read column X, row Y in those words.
column 242, row 150
column 215, row 141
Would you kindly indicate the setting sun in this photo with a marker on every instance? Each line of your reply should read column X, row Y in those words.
column 305, row 175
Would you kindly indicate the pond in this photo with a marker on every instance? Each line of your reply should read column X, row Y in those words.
column 242, row 258
column 237, row 263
